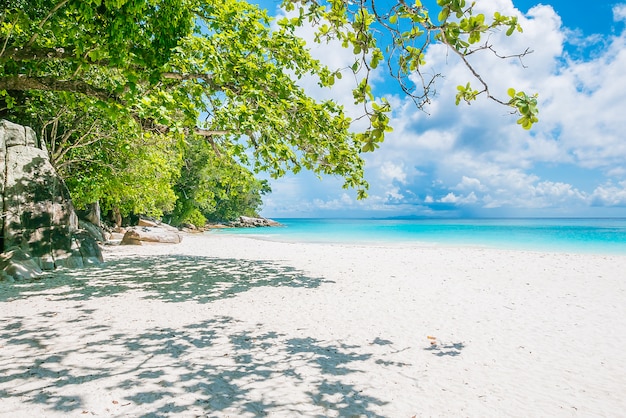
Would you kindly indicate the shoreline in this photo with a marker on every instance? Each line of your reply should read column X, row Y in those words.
column 226, row 325
column 419, row 244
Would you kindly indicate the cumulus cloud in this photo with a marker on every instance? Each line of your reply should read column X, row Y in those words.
column 392, row 172
column 470, row 183
column 459, row 199
column 610, row 195
column 333, row 204
column 619, row 12
column 476, row 156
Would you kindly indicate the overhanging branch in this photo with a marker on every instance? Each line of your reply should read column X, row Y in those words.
column 27, row 53
column 209, row 132
column 192, row 76
column 23, row 83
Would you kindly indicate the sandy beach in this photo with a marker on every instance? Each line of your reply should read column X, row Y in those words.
column 230, row 326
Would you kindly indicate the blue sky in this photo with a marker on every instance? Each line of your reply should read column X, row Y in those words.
column 474, row 161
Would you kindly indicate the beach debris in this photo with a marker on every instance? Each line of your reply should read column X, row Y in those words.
column 432, row 340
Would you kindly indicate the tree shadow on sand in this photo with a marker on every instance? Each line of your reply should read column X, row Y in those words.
column 449, row 349
column 171, row 278
column 215, row 367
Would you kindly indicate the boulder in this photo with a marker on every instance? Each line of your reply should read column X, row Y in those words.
column 249, row 222
column 147, row 222
column 146, row 234
column 15, row 264
column 94, row 231
column 189, row 227
column 156, row 224
column 37, row 213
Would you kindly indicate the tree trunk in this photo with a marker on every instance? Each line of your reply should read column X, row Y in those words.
column 117, row 217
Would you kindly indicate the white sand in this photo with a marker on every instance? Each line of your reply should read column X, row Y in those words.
column 232, row 326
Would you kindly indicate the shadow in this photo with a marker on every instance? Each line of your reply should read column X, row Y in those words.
column 453, row 349
column 380, row 341
column 215, row 367
column 59, row 362
column 42, row 222
column 172, row 278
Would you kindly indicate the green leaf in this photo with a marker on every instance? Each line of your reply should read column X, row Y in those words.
column 443, row 15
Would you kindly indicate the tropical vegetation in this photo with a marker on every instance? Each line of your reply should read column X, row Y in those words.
column 170, row 107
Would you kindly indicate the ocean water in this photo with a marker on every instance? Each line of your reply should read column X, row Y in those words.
column 584, row 235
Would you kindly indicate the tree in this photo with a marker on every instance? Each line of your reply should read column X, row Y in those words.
column 155, row 68
column 406, row 31
column 213, row 58
column 215, row 188
column 103, row 159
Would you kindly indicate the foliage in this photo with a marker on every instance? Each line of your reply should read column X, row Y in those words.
column 103, row 159
column 124, row 83
column 215, row 187
column 218, row 59
column 406, row 31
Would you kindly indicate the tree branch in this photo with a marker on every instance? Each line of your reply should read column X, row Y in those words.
column 22, row 83
column 192, row 76
column 208, row 132
column 43, row 22
column 29, row 53
column 471, row 68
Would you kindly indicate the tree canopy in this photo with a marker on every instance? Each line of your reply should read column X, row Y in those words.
column 124, row 90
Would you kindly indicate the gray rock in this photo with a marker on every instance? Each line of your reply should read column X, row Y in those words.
column 140, row 234
column 15, row 264
column 88, row 248
column 37, row 213
column 94, row 231
column 156, row 224
column 92, row 214
column 249, row 222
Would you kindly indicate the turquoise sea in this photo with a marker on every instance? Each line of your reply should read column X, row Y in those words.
column 583, row 235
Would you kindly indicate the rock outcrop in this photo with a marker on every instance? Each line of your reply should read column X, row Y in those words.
column 248, row 222
column 38, row 219
column 138, row 235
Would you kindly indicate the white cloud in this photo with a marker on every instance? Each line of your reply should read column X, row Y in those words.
column 477, row 155
column 470, row 183
column 343, row 201
column 619, row 13
column 394, row 194
column 391, row 172
column 610, row 195
column 617, row 172
column 459, row 199
column 449, row 198
column 559, row 194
